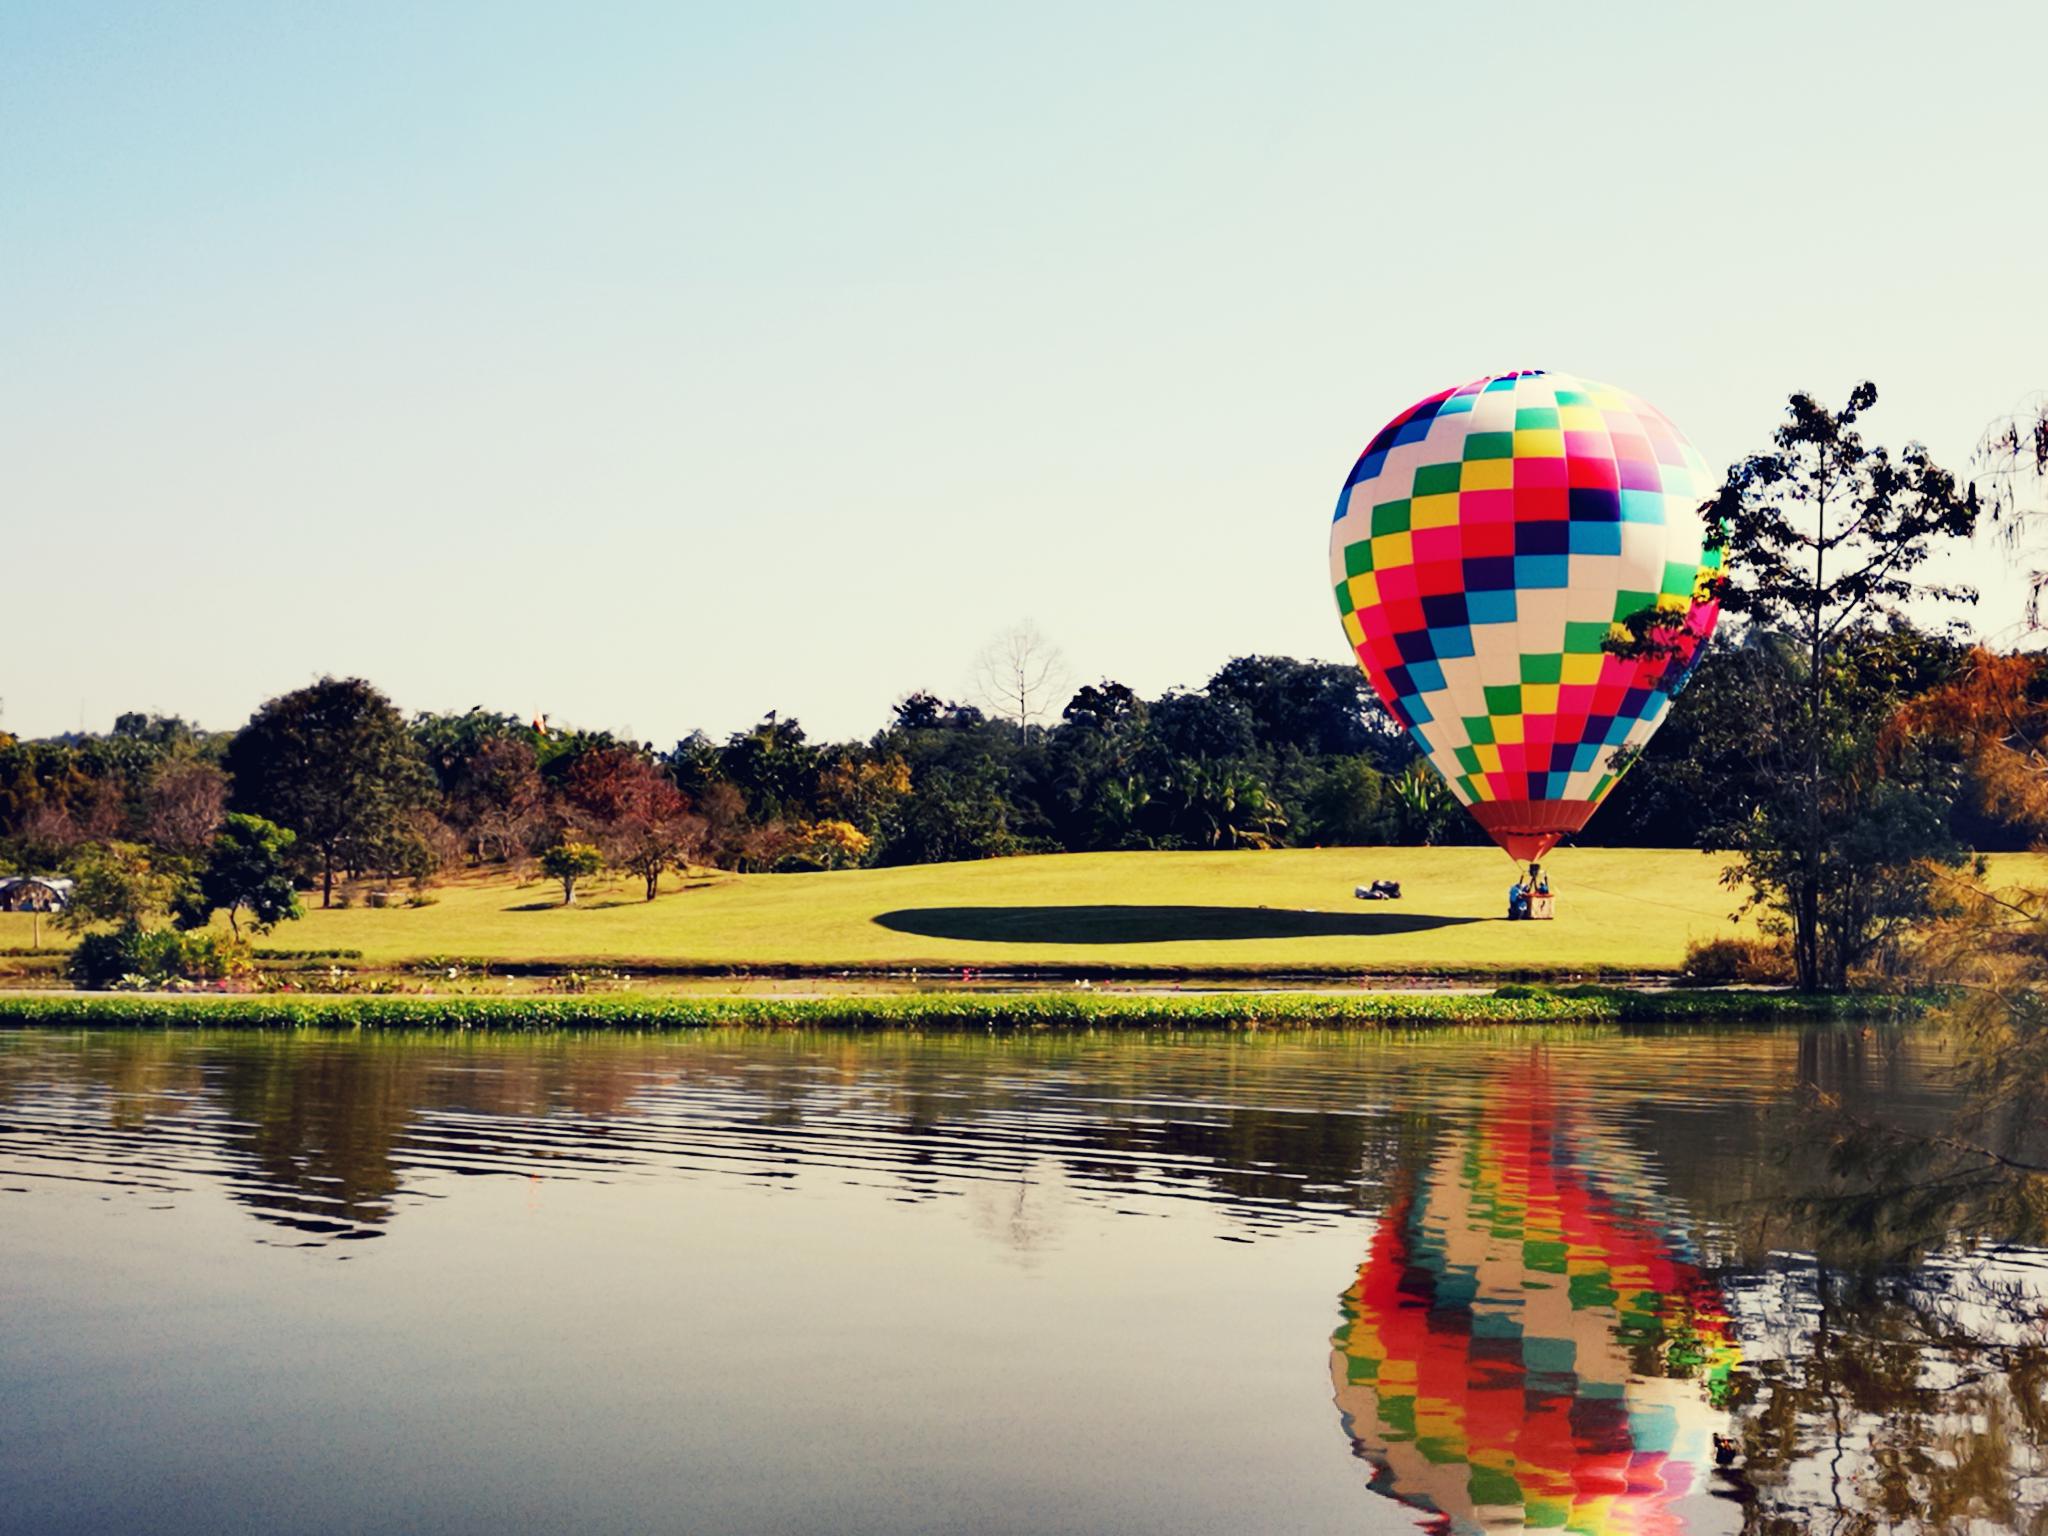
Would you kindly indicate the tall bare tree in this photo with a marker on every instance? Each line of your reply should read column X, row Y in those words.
column 186, row 799
column 1020, row 675
column 2012, row 463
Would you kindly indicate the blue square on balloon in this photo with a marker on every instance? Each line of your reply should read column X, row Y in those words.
column 1425, row 677
column 1414, row 646
column 1489, row 573
column 1596, row 538
column 1642, row 506
column 1413, row 430
column 1586, row 756
column 1494, row 607
column 1617, row 730
column 1594, row 504
column 1452, row 641
column 1554, row 790
column 1421, row 741
column 1444, row 610
column 1536, row 571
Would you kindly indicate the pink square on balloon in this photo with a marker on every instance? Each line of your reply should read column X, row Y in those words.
column 1433, row 546
column 1539, row 471
column 1489, row 506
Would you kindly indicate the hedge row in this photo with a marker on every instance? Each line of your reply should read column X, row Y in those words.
column 948, row 1011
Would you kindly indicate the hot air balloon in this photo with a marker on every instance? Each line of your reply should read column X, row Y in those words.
column 1490, row 540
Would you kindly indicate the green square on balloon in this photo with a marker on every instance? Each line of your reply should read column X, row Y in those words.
column 1344, row 597
column 1585, row 639
column 1358, row 558
column 1467, row 759
column 1437, row 479
column 1504, row 700
column 1480, row 729
column 1389, row 517
column 1543, row 669
column 1490, row 445
column 1629, row 604
column 1679, row 577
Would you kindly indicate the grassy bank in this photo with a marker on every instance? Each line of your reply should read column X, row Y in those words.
column 944, row 1011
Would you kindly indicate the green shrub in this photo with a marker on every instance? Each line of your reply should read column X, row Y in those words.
column 1718, row 962
column 153, row 957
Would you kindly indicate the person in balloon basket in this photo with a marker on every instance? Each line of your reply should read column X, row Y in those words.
column 1535, row 883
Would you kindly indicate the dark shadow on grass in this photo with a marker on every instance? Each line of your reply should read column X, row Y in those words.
column 1152, row 925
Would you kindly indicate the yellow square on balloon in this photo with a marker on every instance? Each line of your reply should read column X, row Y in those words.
column 1392, row 549
column 1435, row 511
column 1539, row 443
column 1507, row 729
column 1583, row 668
column 1539, row 698
column 1365, row 590
column 1488, row 755
column 1353, row 630
column 1488, row 474
column 1581, row 418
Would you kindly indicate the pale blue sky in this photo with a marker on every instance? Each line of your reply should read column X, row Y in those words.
column 660, row 365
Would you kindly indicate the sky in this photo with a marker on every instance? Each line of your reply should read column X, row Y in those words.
column 657, row 366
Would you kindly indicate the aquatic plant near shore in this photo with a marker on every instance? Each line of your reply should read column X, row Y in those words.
column 955, row 1011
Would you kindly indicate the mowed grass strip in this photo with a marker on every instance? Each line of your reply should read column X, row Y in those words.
column 1286, row 910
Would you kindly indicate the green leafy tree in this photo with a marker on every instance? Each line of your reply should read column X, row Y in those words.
column 1347, row 803
column 248, row 869
column 1223, row 805
column 120, row 883
column 1823, row 536
column 1428, row 809
column 335, row 763
column 568, row 863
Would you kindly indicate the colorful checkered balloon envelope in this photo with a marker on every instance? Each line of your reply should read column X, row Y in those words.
column 1489, row 541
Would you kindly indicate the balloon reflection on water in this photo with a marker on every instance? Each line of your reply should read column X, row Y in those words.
column 1526, row 1345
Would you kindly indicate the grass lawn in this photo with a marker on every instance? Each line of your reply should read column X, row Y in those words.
column 1288, row 909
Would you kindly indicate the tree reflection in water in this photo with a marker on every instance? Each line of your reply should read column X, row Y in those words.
column 1896, row 1334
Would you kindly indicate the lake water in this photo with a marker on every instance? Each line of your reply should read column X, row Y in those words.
column 791, row 1283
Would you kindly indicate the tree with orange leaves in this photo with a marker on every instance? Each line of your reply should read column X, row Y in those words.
column 1995, row 709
